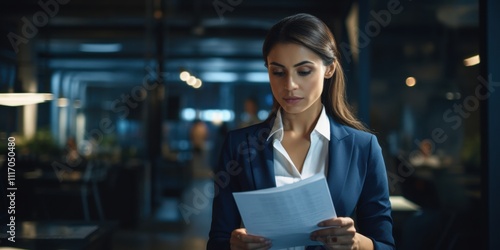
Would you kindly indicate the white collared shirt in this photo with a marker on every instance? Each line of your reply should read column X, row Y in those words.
column 316, row 159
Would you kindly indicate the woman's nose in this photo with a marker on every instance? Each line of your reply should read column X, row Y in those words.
column 290, row 83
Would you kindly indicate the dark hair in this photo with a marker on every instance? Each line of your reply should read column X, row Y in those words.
column 309, row 31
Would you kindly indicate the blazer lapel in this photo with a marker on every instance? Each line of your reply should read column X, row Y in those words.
column 264, row 170
column 341, row 148
column 262, row 164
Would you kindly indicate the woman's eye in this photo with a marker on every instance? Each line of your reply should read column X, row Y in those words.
column 304, row 73
column 278, row 73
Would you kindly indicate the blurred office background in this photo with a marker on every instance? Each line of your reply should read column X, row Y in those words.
column 119, row 150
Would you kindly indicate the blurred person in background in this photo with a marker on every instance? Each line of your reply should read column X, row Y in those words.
column 250, row 116
column 200, row 165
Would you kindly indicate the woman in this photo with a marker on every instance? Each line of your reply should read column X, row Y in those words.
column 311, row 130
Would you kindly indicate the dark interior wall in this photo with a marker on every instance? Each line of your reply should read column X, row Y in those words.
column 491, row 121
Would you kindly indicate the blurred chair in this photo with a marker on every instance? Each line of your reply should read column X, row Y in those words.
column 171, row 177
column 94, row 173
column 443, row 203
column 82, row 185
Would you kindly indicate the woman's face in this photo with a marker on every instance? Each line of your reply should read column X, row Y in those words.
column 296, row 75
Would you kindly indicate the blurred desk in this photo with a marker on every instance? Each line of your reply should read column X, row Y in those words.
column 71, row 235
column 96, row 191
column 402, row 210
column 400, row 203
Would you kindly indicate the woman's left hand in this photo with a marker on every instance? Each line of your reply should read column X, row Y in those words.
column 340, row 233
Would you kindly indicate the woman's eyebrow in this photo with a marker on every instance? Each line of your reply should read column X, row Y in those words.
column 277, row 64
column 296, row 65
column 302, row 63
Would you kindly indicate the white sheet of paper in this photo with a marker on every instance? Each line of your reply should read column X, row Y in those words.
column 287, row 215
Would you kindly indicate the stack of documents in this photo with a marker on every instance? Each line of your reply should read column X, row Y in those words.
column 287, row 215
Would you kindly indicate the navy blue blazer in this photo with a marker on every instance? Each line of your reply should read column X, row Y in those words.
column 356, row 177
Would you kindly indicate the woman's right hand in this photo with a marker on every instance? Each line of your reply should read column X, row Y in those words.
column 240, row 240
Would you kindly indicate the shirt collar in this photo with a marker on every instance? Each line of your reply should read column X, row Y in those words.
column 322, row 126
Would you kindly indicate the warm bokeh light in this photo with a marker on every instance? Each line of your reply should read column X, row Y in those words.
column 184, row 75
column 471, row 61
column 158, row 14
column 191, row 81
column 197, row 84
column 411, row 81
column 62, row 102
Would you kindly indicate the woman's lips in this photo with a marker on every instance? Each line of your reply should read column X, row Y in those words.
column 292, row 100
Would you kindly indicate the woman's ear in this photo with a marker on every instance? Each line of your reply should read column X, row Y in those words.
column 330, row 69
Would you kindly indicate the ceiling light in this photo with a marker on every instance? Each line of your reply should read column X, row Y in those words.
column 21, row 99
column 257, row 77
column 100, row 47
column 219, row 77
